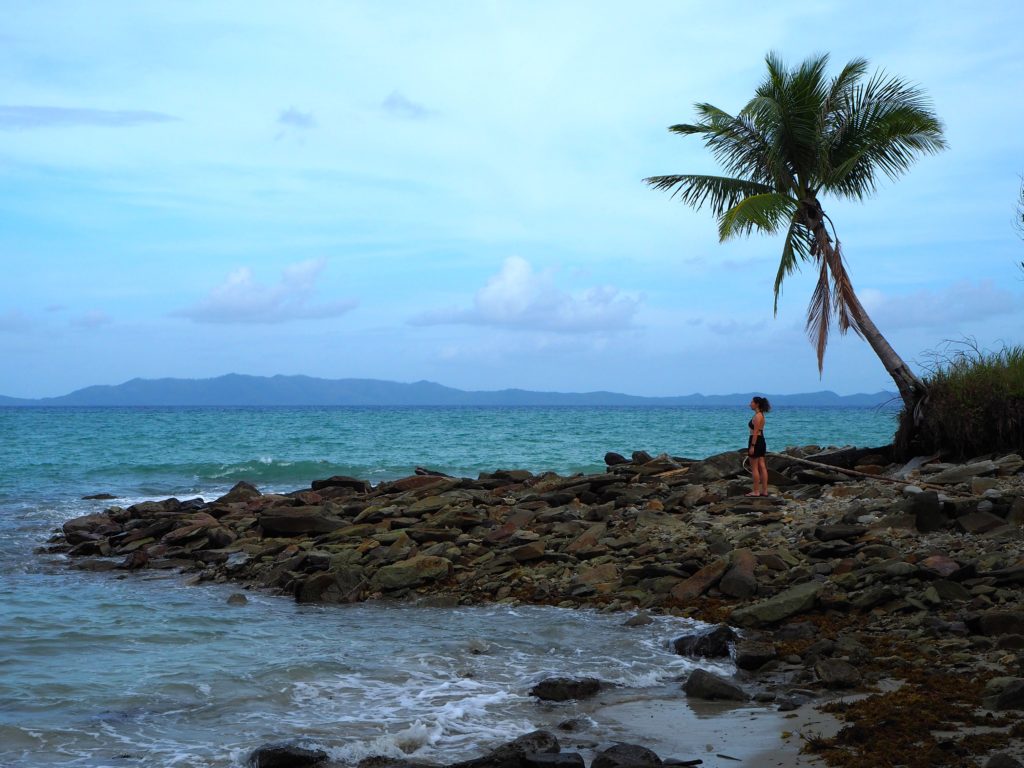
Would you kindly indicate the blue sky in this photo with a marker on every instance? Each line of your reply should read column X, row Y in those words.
column 452, row 191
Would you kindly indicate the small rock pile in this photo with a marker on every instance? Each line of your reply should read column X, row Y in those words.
column 856, row 570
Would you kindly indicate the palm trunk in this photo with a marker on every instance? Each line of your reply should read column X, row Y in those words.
column 912, row 390
column 910, row 387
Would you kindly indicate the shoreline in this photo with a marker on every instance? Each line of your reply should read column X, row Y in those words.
column 834, row 584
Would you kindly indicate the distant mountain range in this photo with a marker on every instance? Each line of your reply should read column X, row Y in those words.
column 238, row 390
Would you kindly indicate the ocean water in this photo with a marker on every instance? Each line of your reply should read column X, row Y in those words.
column 113, row 669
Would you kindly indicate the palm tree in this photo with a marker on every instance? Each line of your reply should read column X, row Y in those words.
column 803, row 136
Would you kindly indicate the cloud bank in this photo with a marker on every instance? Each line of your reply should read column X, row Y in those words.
column 520, row 298
column 240, row 299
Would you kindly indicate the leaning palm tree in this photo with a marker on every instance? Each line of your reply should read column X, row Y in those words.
column 801, row 137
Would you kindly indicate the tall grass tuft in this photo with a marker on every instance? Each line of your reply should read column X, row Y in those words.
column 975, row 402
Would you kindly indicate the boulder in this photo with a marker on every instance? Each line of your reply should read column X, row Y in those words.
column 337, row 586
column 963, row 473
column 553, row 760
column 241, row 491
column 702, row 684
column 739, row 581
column 791, row 602
column 516, row 753
column 626, row 756
column 700, row 582
column 927, row 511
column 719, row 467
column 89, row 528
column 286, row 755
column 998, row 622
column 565, row 688
column 341, row 481
column 709, row 644
column 412, row 572
column 836, row 673
column 294, row 521
column 754, row 654
column 1004, row 693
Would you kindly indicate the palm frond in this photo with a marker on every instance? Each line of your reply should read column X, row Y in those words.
column 720, row 193
column 843, row 296
column 765, row 212
column 796, row 248
column 881, row 126
column 819, row 314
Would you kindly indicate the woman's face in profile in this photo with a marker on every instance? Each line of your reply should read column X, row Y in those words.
column 753, row 405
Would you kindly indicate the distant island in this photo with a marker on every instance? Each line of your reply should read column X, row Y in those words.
column 239, row 390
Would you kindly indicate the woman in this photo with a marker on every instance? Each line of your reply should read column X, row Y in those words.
column 756, row 447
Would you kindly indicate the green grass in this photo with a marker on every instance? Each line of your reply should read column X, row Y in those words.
column 975, row 402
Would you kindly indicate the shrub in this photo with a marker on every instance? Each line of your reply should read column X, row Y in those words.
column 974, row 405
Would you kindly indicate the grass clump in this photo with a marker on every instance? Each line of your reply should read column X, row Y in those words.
column 975, row 402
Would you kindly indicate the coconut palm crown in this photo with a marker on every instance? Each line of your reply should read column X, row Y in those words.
column 801, row 137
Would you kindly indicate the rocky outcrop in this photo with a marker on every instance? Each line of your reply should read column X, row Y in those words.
column 803, row 587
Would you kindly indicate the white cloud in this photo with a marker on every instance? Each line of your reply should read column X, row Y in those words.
column 964, row 301
column 520, row 298
column 397, row 105
column 241, row 299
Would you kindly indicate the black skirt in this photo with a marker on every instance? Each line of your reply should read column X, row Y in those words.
column 760, row 447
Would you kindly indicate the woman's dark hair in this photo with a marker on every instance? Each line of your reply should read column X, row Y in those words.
column 762, row 404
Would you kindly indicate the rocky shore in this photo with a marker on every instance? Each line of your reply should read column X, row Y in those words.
column 897, row 586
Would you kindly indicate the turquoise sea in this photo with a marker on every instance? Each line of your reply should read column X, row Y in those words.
column 111, row 669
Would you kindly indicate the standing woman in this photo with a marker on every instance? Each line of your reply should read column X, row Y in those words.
column 756, row 447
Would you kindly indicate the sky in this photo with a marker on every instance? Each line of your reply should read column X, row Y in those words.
column 453, row 191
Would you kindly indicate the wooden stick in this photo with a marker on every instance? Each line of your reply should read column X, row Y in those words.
column 884, row 479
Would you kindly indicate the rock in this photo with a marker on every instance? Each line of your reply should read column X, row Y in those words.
column 532, row 551
column 1002, row 760
column 702, row 684
column 293, row 521
column 793, row 601
column 739, row 581
column 412, row 572
column 927, row 511
column 963, row 473
column 754, row 654
column 941, row 565
column 99, row 497
column 980, row 522
column 565, row 688
column 1004, row 693
column 626, row 756
column 514, row 754
column 710, row 644
column 341, row 481
column 342, row 585
column 998, row 623
column 286, row 755
column 241, row 491
column 614, row 459
column 89, row 528
column 642, row 619
column 839, row 531
column 836, row 673
column 719, row 467
column 700, row 582
column 552, row 760
column 237, row 598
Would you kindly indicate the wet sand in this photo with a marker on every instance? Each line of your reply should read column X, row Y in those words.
column 720, row 734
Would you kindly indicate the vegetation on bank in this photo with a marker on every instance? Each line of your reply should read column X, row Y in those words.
column 975, row 403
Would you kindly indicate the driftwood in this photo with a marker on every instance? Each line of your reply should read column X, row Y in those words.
column 857, row 473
